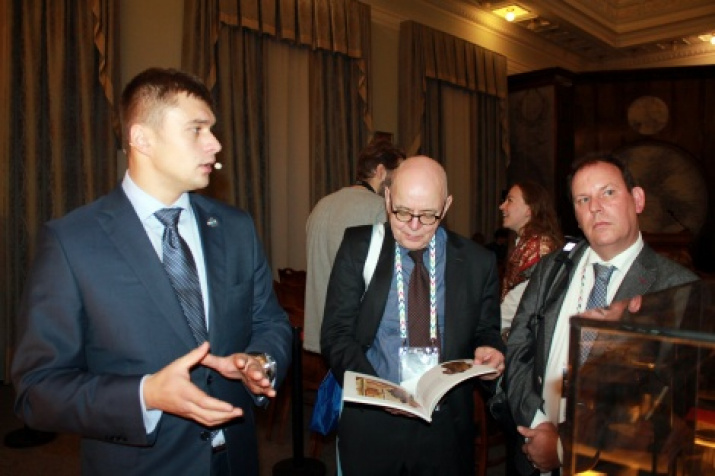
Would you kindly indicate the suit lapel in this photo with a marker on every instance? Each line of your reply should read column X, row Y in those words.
column 558, row 288
column 375, row 297
column 454, row 295
column 123, row 227
column 213, row 243
column 640, row 276
column 638, row 280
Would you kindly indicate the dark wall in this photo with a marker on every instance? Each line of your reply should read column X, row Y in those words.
column 675, row 164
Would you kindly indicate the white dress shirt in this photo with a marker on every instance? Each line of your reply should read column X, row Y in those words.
column 575, row 303
column 145, row 206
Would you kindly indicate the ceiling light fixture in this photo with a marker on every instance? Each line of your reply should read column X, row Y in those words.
column 513, row 12
column 708, row 37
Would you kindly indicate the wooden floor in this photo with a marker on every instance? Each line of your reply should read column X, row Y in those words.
column 61, row 456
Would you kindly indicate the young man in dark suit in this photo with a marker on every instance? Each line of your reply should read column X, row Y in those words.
column 153, row 339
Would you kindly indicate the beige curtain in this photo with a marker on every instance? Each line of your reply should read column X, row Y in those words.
column 241, row 127
column 58, row 141
column 289, row 139
column 223, row 44
column 433, row 64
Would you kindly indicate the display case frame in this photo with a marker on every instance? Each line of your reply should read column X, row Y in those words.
column 643, row 401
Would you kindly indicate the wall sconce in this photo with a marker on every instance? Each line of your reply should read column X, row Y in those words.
column 510, row 15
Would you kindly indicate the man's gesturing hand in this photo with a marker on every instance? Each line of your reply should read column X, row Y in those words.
column 171, row 390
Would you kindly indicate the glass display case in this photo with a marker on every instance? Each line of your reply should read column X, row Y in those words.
column 641, row 387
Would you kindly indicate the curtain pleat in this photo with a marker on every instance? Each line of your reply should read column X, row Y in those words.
column 331, row 25
column 201, row 31
column 428, row 53
column 63, row 72
column 337, row 32
column 489, row 176
column 241, row 125
column 105, row 30
column 429, row 61
column 289, row 138
column 8, row 279
column 338, row 132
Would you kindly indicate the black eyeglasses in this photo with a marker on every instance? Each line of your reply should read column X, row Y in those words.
column 425, row 218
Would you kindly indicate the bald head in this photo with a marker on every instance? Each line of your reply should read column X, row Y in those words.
column 421, row 172
column 419, row 188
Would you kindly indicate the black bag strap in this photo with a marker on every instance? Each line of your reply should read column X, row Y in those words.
column 536, row 321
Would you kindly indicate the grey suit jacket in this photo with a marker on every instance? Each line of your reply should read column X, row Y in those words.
column 527, row 356
column 99, row 313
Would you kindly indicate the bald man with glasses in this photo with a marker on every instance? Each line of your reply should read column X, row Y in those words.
column 371, row 329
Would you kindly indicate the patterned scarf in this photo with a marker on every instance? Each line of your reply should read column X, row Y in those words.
column 524, row 256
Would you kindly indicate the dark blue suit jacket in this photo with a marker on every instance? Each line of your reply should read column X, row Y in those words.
column 99, row 313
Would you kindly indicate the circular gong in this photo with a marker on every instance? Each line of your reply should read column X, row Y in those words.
column 676, row 195
column 648, row 115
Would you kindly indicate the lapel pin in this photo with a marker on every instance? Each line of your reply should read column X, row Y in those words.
column 212, row 222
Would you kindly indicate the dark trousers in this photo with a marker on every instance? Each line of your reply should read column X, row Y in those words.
column 219, row 464
column 372, row 441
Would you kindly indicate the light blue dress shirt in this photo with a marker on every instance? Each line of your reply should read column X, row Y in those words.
column 145, row 205
column 384, row 352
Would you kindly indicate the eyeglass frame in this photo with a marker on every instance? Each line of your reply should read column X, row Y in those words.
column 437, row 217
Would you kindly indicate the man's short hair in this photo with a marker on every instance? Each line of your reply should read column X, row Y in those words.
column 587, row 161
column 152, row 91
column 376, row 153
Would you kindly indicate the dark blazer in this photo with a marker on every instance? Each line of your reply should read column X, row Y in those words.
column 525, row 368
column 353, row 314
column 99, row 313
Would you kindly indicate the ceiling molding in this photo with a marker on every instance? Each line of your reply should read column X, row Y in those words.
column 617, row 32
column 509, row 39
column 577, row 35
column 698, row 55
column 385, row 18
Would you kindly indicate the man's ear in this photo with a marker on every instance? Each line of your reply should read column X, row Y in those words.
column 447, row 203
column 639, row 198
column 381, row 172
column 140, row 138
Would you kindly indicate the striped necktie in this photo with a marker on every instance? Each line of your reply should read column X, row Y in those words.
column 181, row 268
column 597, row 299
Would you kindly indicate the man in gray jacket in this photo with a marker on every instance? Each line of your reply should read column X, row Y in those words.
column 362, row 203
column 607, row 204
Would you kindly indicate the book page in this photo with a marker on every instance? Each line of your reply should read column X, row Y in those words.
column 440, row 379
column 432, row 386
column 372, row 390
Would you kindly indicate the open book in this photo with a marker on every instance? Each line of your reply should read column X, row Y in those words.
column 431, row 387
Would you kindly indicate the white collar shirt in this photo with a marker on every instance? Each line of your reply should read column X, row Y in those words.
column 574, row 303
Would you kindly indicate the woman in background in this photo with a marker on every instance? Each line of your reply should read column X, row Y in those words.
column 528, row 211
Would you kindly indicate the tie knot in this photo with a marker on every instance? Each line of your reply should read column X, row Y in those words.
column 417, row 255
column 169, row 217
column 603, row 272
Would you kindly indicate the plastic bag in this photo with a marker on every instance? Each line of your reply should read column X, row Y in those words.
column 326, row 412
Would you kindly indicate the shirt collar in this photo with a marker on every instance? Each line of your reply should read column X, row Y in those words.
column 144, row 204
column 440, row 241
column 624, row 259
